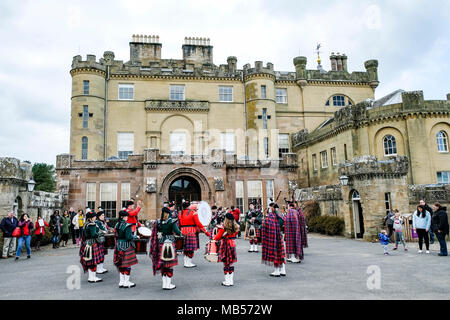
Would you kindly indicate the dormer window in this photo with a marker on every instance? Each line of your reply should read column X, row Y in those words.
column 339, row 100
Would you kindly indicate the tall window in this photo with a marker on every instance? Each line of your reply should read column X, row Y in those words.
column 84, row 148
column 283, row 144
column 269, row 192
column 108, row 199
column 85, row 117
column 126, row 91
column 264, row 118
column 227, row 142
column 387, row 202
column 281, row 95
column 324, row 159
column 254, row 191
column 124, row 193
column 90, row 195
column 442, row 141
column 266, row 147
column 86, row 87
column 345, row 152
column 333, row 157
column 176, row 92
column 390, row 145
column 240, row 195
column 125, row 144
column 263, row 92
column 314, row 161
column 443, row 177
column 177, row 143
column 225, row 93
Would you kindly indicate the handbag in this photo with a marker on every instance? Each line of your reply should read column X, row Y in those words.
column 17, row 232
column 414, row 234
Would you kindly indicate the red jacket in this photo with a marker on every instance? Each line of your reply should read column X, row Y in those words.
column 221, row 232
column 189, row 222
column 236, row 213
column 132, row 217
column 38, row 227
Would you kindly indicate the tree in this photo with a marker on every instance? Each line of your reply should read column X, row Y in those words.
column 44, row 175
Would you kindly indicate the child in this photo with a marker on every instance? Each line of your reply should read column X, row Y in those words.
column 398, row 229
column 384, row 240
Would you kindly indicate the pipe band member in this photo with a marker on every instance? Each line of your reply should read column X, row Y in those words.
column 91, row 253
column 253, row 219
column 124, row 252
column 162, row 248
column 293, row 237
column 189, row 224
column 227, row 252
column 273, row 252
column 133, row 214
column 104, row 228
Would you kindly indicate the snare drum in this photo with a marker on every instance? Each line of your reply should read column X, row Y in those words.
column 179, row 243
column 144, row 232
column 211, row 252
column 140, row 246
column 110, row 241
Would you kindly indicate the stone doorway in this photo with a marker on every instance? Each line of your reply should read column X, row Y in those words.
column 184, row 188
column 358, row 218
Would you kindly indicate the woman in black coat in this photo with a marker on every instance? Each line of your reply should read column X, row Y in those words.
column 439, row 225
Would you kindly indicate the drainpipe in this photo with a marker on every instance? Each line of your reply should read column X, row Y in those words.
column 105, row 115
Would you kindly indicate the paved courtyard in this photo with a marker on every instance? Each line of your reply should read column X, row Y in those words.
column 334, row 268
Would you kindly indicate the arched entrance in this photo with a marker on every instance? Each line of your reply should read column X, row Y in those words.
column 358, row 219
column 185, row 187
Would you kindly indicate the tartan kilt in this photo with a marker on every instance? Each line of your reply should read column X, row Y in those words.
column 102, row 247
column 97, row 256
column 191, row 242
column 167, row 264
column 304, row 236
column 125, row 259
column 227, row 251
column 258, row 232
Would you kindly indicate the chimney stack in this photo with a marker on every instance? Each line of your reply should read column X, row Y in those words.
column 145, row 48
column 338, row 62
column 197, row 50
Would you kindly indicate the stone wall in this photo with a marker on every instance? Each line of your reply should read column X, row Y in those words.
column 431, row 193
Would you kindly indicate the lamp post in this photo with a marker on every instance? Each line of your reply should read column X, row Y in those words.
column 30, row 185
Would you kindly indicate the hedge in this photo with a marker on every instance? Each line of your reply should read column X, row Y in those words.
column 328, row 225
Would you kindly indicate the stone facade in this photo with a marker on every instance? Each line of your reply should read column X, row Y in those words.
column 14, row 176
column 260, row 104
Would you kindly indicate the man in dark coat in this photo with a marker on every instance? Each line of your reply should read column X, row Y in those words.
column 7, row 226
column 72, row 214
column 439, row 225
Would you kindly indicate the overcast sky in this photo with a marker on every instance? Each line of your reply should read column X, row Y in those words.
column 410, row 39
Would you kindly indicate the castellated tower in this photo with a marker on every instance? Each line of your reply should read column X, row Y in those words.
column 260, row 98
column 87, row 125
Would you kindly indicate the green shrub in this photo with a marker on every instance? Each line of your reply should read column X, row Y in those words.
column 328, row 225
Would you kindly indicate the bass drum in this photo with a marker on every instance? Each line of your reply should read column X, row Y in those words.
column 211, row 252
column 140, row 246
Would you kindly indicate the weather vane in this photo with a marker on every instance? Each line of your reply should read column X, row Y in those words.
column 319, row 45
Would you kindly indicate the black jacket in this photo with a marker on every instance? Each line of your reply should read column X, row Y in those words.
column 7, row 226
column 439, row 221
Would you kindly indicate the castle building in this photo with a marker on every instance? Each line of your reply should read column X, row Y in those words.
column 170, row 129
column 376, row 156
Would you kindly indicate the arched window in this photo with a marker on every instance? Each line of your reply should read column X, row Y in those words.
column 339, row 100
column 390, row 145
column 84, row 148
column 442, row 141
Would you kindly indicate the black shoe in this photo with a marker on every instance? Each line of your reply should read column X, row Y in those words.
column 442, row 255
column 28, row 257
column 17, row 258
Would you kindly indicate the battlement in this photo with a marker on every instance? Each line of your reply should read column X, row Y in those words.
column 368, row 166
column 258, row 69
column 14, row 169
